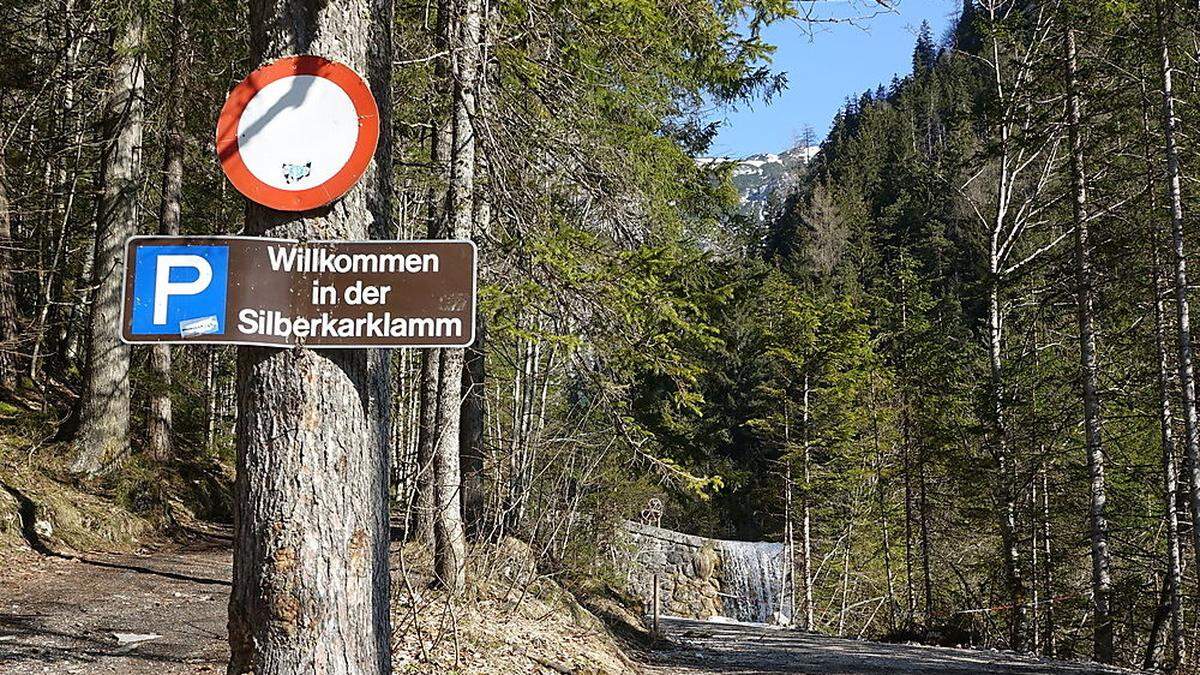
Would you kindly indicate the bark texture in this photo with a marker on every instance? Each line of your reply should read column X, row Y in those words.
column 104, row 431
column 310, row 579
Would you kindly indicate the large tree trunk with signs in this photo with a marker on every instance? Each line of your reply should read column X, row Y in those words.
column 168, row 224
column 104, row 433
column 310, row 577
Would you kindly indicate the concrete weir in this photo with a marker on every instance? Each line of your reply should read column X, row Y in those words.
column 701, row 578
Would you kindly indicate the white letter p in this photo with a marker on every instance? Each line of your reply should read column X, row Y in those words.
column 164, row 288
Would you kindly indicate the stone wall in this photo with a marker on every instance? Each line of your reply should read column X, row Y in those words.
column 701, row 578
column 688, row 567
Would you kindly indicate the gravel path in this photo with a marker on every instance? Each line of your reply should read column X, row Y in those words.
column 706, row 647
column 128, row 614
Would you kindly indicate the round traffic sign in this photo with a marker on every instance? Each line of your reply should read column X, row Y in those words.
column 297, row 133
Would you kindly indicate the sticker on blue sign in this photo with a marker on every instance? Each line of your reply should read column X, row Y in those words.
column 287, row 293
column 208, row 325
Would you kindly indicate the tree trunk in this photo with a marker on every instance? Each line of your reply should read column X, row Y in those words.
column 104, row 431
column 474, row 426
column 8, row 304
column 1084, row 306
column 423, row 517
column 210, row 396
column 1004, row 478
column 1187, row 380
column 441, row 145
column 806, row 520
column 474, row 410
column 1048, row 646
column 161, row 426
column 310, row 577
column 926, row 551
column 846, row 576
column 1166, row 423
column 448, row 532
column 464, row 26
column 910, row 590
column 881, row 497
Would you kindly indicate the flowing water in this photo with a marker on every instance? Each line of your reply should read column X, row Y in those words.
column 752, row 572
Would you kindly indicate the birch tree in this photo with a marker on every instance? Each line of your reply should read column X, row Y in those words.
column 1018, row 174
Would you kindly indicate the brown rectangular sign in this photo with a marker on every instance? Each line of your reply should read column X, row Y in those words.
column 283, row 292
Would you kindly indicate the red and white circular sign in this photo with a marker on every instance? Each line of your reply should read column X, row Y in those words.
column 297, row 133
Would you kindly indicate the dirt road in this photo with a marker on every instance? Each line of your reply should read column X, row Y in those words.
column 127, row 614
column 704, row 647
column 164, row 613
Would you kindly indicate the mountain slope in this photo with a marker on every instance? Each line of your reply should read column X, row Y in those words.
column 757, row 177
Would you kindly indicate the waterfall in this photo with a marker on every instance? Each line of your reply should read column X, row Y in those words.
column 753, row 576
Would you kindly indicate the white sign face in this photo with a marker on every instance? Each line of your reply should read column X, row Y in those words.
column 299, row 107
column 297, row 133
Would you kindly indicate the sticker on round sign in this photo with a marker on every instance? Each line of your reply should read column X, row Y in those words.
column 297, row 133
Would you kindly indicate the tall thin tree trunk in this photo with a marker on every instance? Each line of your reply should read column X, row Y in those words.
column 423, row 516
column 1005, row 474
column 474, row 426
column 464, row 29
column 310, row 577
column 1102, row 647
column 1166, row 424
column 909, row 577
column 881, row 497
column 1187, row 379
column 846, row 576
column 1047, row 568
column 104, row 431
column 474, row 411
column 806, row 518
column 8, row 305
column 926, row 549
column 788, row 581
column 161, row 424
column 441, row 144
column 210, row 395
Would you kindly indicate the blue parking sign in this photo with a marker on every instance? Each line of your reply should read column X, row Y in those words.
column 179, row 290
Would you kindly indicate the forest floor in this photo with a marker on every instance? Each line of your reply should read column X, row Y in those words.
column 164, row 611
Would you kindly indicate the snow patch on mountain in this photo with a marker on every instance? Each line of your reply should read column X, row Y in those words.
column 758, row 177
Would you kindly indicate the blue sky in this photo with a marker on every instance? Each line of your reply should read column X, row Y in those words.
column 824, row 65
